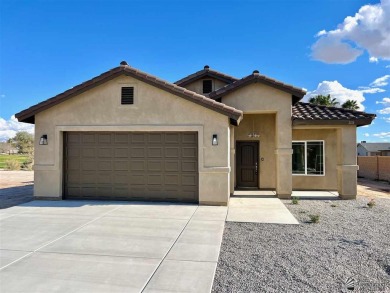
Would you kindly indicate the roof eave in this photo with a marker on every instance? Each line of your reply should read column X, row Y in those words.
column 28, row 115
column 356, row 122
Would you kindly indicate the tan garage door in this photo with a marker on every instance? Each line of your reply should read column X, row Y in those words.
column 160, row 166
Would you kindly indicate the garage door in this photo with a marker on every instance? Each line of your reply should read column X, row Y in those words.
column 158, row 166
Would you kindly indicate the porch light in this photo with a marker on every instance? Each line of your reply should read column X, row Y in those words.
column 43, row 140
column 253, row 134
column 214, row 140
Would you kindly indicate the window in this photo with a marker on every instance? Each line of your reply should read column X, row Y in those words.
column 308, row 158
column 207, row 86
column 127, row 97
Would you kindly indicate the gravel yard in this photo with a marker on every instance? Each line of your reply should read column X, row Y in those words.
column 350, row 241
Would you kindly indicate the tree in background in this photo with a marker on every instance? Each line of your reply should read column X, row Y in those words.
column 24, row 143
column 351, row 105
column 324, row 101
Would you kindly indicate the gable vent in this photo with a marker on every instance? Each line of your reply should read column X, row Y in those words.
column 127, row 96
column 207, row 86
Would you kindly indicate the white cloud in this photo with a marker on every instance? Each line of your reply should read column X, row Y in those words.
column 387, row 119
column 385, row 101
column 373, row 90
column 373, row 60
column 336, row 90
column 381, row 81
column 368, row 29
column 384, row 111
column 382, row 135
column 8, row 128
column 366, row 134
column 387, row 66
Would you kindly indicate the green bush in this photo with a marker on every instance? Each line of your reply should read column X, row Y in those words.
column 12, row 164
column 27, row 165
column 295, row 200
column 314, row 218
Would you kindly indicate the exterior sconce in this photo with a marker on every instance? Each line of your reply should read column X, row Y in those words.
column 215, row 140
column 43, row 140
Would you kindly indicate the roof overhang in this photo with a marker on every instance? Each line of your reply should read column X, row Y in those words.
column 28, row 115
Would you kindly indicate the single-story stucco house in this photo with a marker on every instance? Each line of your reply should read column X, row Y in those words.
column 126, row 134
column 373, row 148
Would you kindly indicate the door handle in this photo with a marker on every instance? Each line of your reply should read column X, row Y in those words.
column 256, row 168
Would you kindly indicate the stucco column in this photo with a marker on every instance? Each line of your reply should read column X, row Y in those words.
column 283, row 153
column 347, row 162
column 232, row 160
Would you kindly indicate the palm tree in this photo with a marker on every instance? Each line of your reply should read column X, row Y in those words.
column 351, row 105
column 324, row 101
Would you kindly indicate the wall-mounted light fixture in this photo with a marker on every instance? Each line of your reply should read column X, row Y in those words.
column 214, row 140
column 43, row 140
column 253, row 134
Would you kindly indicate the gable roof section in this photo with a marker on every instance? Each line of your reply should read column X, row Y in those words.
column 296, row 92
column 306, row 113
column 375, row 146
column 206, row 72
column 28, row 115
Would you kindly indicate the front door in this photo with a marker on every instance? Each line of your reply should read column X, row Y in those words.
column 247, row 164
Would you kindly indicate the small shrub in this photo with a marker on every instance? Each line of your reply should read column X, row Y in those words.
column 27, row 165
column 333, row 205
column 371, row 203
column 314, row 218
column 302, row 212
column 295, row 200
column 12, row 164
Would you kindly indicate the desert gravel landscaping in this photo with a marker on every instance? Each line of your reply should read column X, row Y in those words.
column 350, row 241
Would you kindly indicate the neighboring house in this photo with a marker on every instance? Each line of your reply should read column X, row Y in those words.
column 126, row 134
column 373, row 148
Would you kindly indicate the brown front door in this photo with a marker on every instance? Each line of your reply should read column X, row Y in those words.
column 247, row 164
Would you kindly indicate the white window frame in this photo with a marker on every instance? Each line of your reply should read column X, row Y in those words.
column 323, row 149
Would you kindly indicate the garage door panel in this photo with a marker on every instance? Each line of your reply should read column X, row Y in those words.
column 121, row 165
column 136, row 166
column 137, row 138
column 172, row 166
column 155, row 166
column 172, row 138
column 155, row 138
column 172, row 152
column 138, row 152
column 104, row 138
column 155, row 152
column 188, row 166
column 102, row 165
column 139, row 166
column 121, row 152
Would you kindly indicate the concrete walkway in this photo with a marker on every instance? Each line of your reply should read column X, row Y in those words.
column 87, row 246
column 258, row 207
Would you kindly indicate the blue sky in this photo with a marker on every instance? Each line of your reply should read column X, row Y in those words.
column 50, row 46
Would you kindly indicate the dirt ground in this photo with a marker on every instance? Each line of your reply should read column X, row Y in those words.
column 373, row 189
column 16, row 178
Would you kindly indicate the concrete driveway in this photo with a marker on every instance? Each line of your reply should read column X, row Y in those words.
column 91, row 246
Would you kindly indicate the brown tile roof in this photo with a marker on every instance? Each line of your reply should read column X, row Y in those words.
column 28, row 115
column 297, row 93
column 306, row 113
column 206, row 72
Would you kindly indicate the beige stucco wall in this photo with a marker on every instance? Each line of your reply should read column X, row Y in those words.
column 264, row 124
column 99, row 109
column 197, row 86
column 261, row 99
column 329, row 180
